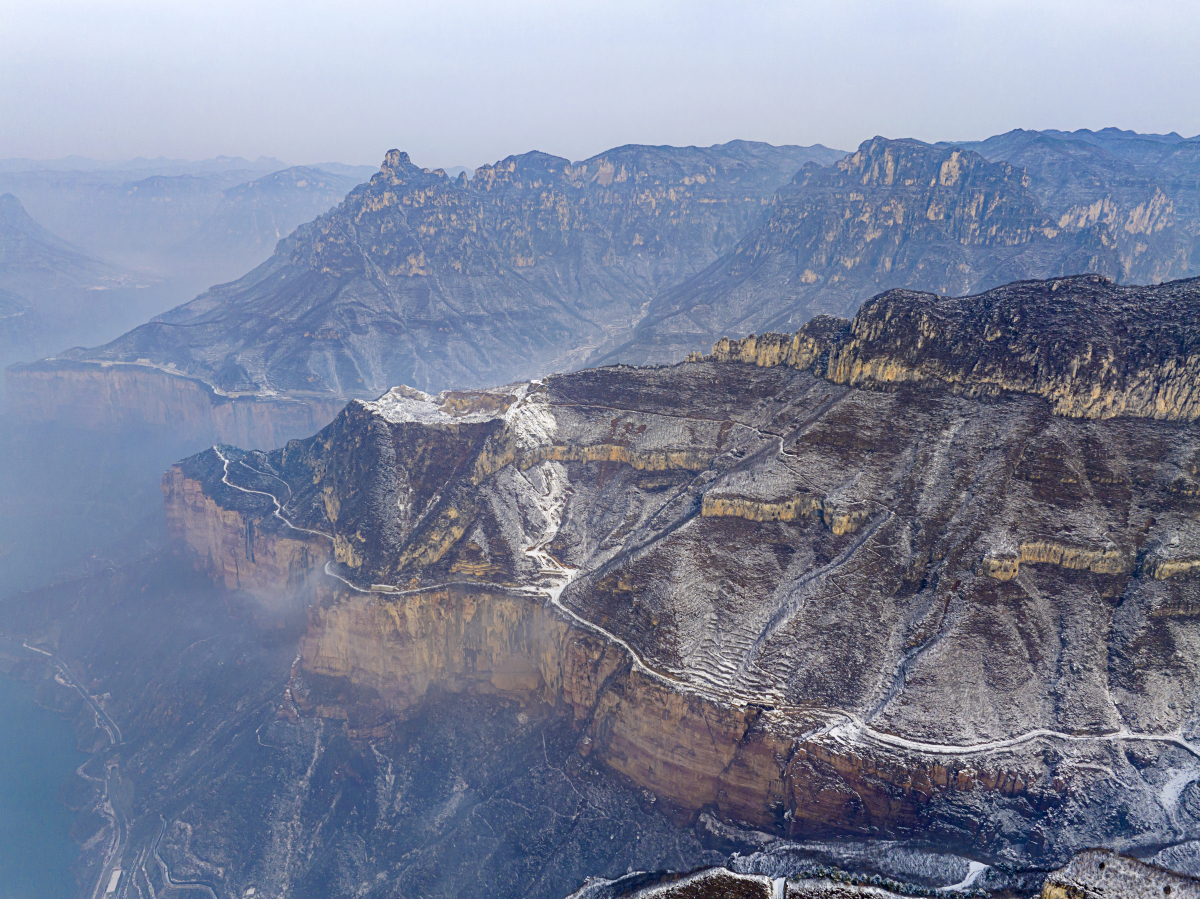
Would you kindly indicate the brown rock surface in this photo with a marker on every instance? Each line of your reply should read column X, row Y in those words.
column 927, row 609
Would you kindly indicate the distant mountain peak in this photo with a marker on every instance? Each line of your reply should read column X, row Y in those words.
column 395, row 159
column 33, row 260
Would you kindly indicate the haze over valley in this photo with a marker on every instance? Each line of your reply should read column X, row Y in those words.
column 729, row 484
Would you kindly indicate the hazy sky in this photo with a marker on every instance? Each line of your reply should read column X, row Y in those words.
column 463, row 82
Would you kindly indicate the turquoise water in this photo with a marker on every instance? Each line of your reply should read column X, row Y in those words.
column 37, row 759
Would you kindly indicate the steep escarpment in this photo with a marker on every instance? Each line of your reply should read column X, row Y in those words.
column 422, row 279
column 762, row 593
column 897, row 213
column 1090, row 347
column 1141, row 187
column 100, row 396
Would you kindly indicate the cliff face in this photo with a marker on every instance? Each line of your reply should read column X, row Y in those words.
column 897, row 213
column 1093, row 349
column 645, row 254
column 806, row 605
column 95, row 397
column 421, row 279
column 1141, row 188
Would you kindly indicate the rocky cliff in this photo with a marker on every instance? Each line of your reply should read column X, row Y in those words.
column 1141, row 187
column 644, row 254
column 808, row 605
column 897, row 213
column 1092, row 348
column 103, row 396
column 422, row 279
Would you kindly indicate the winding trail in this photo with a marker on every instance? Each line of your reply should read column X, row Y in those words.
column 166, row 871
column 855, row 730
column 103, row 721
column 555, row 577
column 111, row 807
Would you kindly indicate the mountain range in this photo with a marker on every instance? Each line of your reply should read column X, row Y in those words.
column 646, row 254
column 50, row 289
column 126, row 242
column 419, row 278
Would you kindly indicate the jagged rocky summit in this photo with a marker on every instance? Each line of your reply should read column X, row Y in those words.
column 422, row 279
column 1141, row 187
column 897, row 213
column 952, row 596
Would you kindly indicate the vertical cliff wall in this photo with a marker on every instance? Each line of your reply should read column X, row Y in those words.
column 94, row 397
column 772, row 768
column 805, row 605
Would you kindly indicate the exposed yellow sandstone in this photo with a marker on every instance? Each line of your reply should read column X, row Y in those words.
column 1049, row 552
column 755, row 510
column 1161, row 569
column 233, row 549
column 1169, row 391
column 839, row 521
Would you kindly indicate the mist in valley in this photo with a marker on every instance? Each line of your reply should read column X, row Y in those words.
column 771, row 468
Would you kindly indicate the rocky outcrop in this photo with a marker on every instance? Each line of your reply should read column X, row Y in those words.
column 764, row 593
column 415, row 278
column 895, row 214
column 102, row 397
column 1050, row 552
column 693, row 752
column 252, row 553
column 1140, row 187
column 1090, row 347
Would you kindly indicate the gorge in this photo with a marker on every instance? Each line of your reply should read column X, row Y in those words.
column 904, row 602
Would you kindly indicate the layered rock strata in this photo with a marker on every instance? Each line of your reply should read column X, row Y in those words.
column 423, row 279
column 1090, row 347
column 762, row 592
column 1140, row 187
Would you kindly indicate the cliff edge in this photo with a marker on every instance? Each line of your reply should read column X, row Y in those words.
column 1094, row 349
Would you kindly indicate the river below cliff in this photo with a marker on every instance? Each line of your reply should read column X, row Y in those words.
column 38, row 758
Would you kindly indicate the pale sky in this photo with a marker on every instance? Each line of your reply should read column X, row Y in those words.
column 463, row 82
